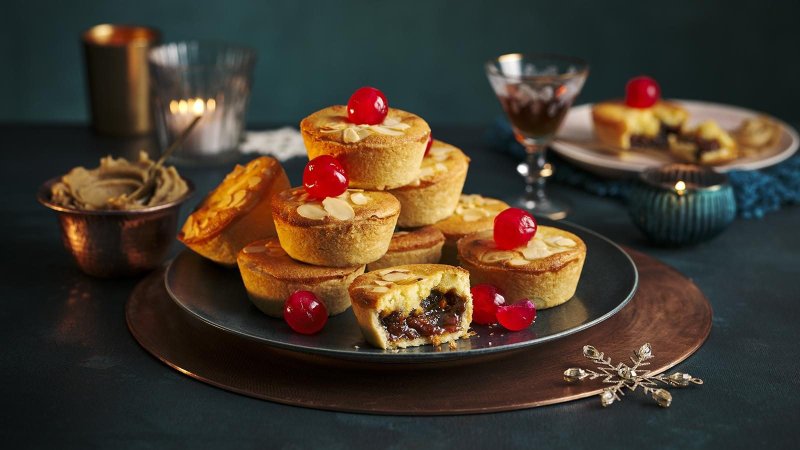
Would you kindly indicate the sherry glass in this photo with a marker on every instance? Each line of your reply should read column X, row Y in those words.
column 536, row 92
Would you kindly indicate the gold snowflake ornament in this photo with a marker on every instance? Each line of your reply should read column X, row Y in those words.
column 622, row 376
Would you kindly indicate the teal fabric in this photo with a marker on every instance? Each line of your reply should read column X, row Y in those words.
column 757, row 192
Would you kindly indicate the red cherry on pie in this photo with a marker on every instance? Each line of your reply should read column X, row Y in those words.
column 367, row 106
column 429, row 144
column 642, row 92
column 304, row 313
column 513, row 228
column 485, row 301
column 324, row 176
column 518, row 316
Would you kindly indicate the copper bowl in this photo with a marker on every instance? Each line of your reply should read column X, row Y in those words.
column 117, row 243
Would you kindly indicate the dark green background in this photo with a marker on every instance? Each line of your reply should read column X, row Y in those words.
column 425, row 55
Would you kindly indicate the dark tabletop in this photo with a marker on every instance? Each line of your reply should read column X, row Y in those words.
column 72, row 375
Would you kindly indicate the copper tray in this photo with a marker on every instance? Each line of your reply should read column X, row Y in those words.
column 668, row 310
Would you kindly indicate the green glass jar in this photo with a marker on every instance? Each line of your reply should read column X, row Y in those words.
column 681, row 204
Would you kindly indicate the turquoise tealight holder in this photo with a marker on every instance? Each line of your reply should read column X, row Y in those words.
column 681, row 204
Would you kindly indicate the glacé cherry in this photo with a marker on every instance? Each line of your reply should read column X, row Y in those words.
column 429, row 144
column 485, row 301
column 304, row 313
column 642, row 92
column 513, row 228
column 518, row 316
column 324, row 176
column 367, row 106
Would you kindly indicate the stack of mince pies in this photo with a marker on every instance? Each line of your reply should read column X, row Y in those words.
column 381, row 196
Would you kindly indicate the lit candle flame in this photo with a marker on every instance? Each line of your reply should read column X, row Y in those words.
column 680, row 187
column 198, row 107
column 195, row 106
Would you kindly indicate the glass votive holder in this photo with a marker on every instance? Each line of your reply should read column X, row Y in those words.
column 681, row 204
column 201, row 78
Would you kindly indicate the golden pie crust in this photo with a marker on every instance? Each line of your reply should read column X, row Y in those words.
column 271, row 276
column 376, row 161
column 548, row 280
column 376, row 294
column 615, row 123
column 473, row 213
column 332, row 242
column 420, row 246
column 434, row 195
column 236, row 212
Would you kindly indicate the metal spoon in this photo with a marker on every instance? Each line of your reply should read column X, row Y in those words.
column 144, row 190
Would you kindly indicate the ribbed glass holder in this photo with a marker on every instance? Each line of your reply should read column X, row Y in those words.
column 201, row 78
column 681, row 204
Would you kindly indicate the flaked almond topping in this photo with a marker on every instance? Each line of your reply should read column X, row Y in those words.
column 238, row 198
column 253, row 182
column 312, row 211
column 255, row 249
column 386, row 130
column 338, row 208
column 533, row 253
column 397, row 276
column 439, row 167
column 354, row 133
column 359, row 199
column 400, row 233
column 223, row 201
column 349, row 135
column 471, row 215
column 564, row 242
column 440, row 152
column 379, row 289
column 352, row 190
column 393, row 122
column 344, row 195
column 383, row 283
column 518, row 262
column 426, row 172
column 491, row 257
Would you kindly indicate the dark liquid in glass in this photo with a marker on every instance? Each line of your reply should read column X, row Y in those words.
column 533, row 118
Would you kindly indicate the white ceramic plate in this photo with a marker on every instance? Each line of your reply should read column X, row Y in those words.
column 576, row 141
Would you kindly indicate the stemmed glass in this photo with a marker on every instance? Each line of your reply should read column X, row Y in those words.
column 536, row 92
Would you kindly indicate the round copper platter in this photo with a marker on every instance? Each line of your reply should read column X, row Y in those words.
column 668, row 311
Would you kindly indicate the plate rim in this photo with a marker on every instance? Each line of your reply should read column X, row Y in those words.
column 388, row 356
column 589, row 157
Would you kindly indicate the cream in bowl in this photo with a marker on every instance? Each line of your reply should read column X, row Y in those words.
column 114, row 220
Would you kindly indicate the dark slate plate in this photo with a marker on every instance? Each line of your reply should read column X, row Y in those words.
column 217, row 296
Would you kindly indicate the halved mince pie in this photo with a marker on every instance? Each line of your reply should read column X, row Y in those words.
column 622, row 127
column 708, row 144
column 413, row 305
column 545, row 271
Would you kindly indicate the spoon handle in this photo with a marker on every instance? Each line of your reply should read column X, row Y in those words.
column 176, row 143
